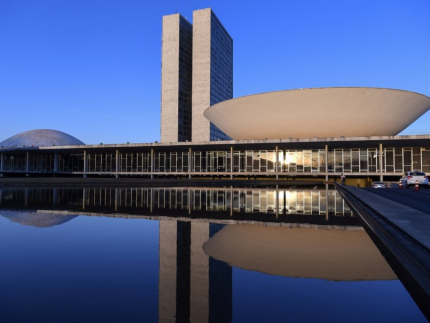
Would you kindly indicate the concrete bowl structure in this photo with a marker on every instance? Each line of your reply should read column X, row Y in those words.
column 40, row 137
column 319, row 112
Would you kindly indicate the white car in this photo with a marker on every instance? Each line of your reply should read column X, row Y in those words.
column 411, row 178
column 378, row 185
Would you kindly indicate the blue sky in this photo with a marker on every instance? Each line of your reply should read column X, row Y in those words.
column 92, row 68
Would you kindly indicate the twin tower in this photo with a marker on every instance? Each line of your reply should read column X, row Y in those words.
column 196, row 72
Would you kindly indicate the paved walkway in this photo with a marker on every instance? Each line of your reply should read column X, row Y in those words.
column 413, row 222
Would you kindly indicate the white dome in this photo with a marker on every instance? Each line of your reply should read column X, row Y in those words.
column 40, row 137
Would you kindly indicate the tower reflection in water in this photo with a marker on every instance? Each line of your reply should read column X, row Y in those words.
column 193, row 287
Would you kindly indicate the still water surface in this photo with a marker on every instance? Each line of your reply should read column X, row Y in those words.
column 191, row 255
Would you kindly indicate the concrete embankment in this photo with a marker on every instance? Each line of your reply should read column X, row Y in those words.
column 400, row 230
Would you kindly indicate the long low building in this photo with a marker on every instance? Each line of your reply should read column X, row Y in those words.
column 361, row 159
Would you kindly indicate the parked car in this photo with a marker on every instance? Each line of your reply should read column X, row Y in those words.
column 410, row 178
column 378, row 185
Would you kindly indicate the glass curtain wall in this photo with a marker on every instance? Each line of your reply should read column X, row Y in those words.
column 354, row 160
column 70, row 163
column 41, row 163
column 15, row 163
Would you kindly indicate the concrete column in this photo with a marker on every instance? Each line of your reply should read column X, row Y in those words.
column 189, row 201
column 284, row 161
column 284, row 211
column 231, row 200
column 27, row 164
column 152, row 164
column 117, row 193
column 151, row 201
column 55, row 196
column 381, row 170
column 326, row 163
column 84, row 198
column 190, row 160
column 55, row 162
column 326, row 202
column 277, row 199
column 231, row 162
column 2, row 164
column 277, row 162
column 117, row 161
column 85, row 164
column 26, row 197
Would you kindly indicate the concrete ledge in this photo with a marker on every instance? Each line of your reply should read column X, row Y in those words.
column 413, row 222
column 400, row 234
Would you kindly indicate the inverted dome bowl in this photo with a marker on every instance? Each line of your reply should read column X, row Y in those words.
column 320, row 112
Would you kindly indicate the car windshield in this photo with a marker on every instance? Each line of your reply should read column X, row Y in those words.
column 418, row 174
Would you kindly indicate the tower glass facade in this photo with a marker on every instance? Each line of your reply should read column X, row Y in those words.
column 221, row 84
column 185, row 80
column 212, row 72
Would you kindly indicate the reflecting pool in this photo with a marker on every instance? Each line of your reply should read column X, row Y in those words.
column 191, row 255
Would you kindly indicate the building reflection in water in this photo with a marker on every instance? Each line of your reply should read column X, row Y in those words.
column 182, row 200
column 193, row 287
column 197, row 242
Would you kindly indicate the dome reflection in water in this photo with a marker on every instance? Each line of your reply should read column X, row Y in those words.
column 36, row 218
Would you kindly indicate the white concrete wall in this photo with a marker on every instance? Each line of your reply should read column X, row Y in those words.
column 201, row 73
column 170, row 78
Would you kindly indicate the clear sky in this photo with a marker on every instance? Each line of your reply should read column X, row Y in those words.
column 92, row 68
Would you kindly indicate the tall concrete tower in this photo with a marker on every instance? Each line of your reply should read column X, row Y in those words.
column 176, row 74
column 196, row 72
column 212, row 72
